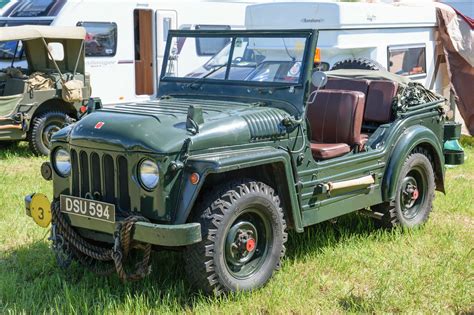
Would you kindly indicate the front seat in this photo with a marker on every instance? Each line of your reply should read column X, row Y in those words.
column 335, row 119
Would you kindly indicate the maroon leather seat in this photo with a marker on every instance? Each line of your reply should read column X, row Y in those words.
column 378, row 107
column 335, row 119
column 348, row 84
column 379, row 96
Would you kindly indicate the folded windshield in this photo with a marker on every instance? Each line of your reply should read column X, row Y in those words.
column 255, row 59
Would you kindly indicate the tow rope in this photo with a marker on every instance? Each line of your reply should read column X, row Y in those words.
column 69, row 244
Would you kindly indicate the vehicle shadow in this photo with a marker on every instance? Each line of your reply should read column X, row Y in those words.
column 33, row 267
column 15, row 150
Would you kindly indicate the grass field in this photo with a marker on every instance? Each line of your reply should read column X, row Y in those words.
column 347, row 266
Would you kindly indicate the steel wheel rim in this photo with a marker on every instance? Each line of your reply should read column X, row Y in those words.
column 413, row 192
column 247, row 243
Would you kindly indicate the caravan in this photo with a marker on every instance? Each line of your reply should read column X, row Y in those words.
column 125, row 40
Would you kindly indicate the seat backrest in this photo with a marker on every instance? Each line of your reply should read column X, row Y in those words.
column 335, row 116
column 13, row 87
column 348, row 84
column 378, row 107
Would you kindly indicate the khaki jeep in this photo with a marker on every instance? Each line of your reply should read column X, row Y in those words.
column 43, row 86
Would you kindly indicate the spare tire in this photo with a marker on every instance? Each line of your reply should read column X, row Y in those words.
column 357, row 63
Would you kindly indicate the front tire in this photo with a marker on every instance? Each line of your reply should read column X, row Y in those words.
column 42, row 129
column 414, row 195
column 244, row 232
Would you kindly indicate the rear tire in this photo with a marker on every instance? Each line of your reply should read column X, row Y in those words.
column 357, row 63
column 243, row 236
column 414, row 195
column 42, row 128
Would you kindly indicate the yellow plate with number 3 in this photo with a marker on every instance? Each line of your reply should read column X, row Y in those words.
column 40, row 208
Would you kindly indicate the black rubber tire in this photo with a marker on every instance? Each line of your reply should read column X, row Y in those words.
column 45, row 120
column 393, row 215
column 357, row 63
column 206, row 262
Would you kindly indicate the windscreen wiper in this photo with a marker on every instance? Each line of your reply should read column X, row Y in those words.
column 198, row 80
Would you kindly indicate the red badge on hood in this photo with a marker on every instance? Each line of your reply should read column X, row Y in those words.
column 99, row 125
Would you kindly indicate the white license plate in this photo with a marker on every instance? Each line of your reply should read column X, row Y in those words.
column 87, row 208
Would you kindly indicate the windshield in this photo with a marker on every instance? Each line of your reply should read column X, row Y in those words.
column 252, row 59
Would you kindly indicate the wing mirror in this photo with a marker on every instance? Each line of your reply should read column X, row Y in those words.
column 319, row 79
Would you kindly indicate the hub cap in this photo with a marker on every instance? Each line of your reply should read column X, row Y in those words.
column 412, row 193
column 246, row 245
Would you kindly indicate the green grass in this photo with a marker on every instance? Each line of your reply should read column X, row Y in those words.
column 347, row 266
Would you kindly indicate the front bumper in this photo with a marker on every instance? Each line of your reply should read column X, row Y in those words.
column 145, row 232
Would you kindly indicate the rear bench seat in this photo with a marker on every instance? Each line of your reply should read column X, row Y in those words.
column 335, row 119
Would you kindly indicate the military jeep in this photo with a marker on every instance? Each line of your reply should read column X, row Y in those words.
column 236, row 152
column 43, row 85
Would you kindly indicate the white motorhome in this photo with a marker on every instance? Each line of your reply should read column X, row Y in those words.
column 402, row 39
column 126, row 39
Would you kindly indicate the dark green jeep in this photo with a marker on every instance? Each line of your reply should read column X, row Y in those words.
column 235, row 153
column 43, row 85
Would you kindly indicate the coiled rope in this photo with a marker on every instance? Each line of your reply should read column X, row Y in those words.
column 89, row 254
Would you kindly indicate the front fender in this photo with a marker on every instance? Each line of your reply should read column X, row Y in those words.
column 412, row 137
column 222, row 162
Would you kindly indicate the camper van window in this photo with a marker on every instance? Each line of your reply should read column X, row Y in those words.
column 8, row 49
column 407, row 60
column 36, row 8
column 101, row 38
column 211, row 46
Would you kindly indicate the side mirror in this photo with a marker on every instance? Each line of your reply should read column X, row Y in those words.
column 319, row 79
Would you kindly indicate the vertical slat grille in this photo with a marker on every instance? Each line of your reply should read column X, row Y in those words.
column 101, row 175
column 75, row 173
column 95, row 174
column 84, row 167
column 109, row 179
column 124, row 196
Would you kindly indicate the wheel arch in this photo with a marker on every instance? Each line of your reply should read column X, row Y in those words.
column 273, row 171
column 414, row 137
column 57, row 105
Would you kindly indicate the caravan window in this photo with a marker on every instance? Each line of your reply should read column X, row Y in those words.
column 10, row 48
column 36, row 8
column 211, row 46
column 407, row 60
column 101, row 38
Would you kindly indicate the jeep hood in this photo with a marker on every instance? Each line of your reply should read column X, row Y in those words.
column 159, row 126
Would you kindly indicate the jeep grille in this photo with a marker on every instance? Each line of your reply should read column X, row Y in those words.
column 101, row 176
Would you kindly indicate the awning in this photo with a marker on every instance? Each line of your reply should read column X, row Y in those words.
column 457, row 37
column 29, row 32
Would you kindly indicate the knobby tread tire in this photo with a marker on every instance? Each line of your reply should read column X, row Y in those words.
column 200, row 258
column 34, row 136
column 391, row 217
column 357, row 63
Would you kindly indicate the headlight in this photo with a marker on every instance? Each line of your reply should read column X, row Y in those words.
column 62, row 162
column 149, row 174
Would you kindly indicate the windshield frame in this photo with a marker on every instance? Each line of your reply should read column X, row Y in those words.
column 233, row 34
